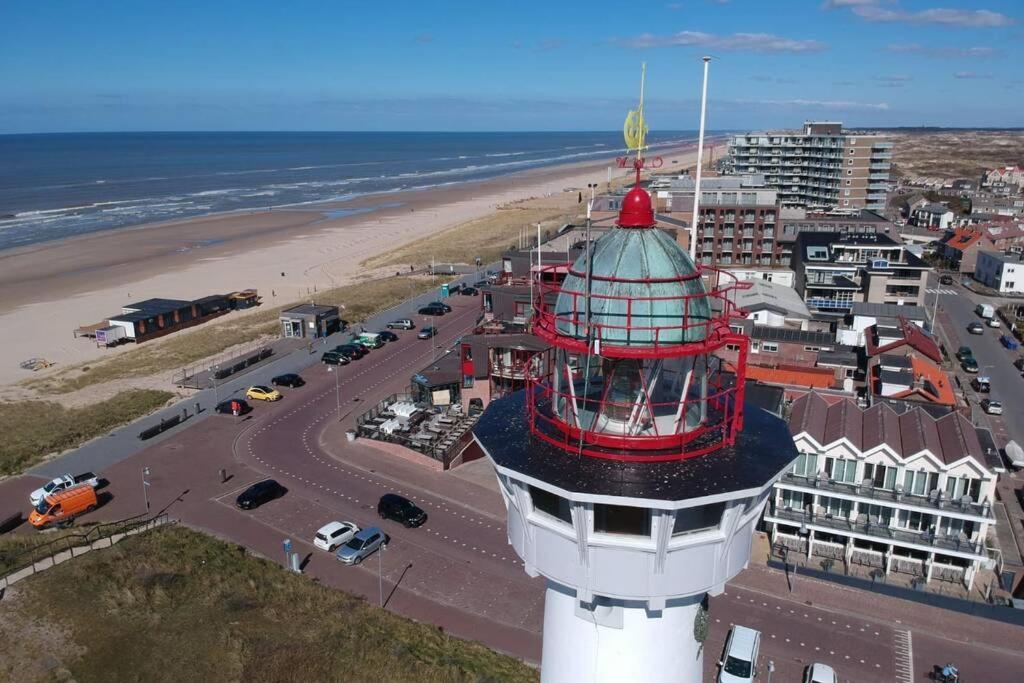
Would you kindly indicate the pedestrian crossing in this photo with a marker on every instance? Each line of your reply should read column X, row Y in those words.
column 941, row 291
column 903, row 653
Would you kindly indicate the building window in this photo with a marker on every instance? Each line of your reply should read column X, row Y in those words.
column 841, row 470
column 770, row 347
column 551, row 505
column 919, row 482
column 696, row 519
column 837, row 507
column 881, row 476
column 806, row 465
column 812, row 348
column 622, row 519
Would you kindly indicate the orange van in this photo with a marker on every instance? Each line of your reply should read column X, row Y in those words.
column 63, row 506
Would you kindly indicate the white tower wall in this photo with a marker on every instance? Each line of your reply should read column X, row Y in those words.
column 618, row 641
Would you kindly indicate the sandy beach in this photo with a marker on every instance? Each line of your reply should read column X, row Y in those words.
column 49, row 289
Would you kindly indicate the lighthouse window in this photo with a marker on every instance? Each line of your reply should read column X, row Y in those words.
column 622, row 519
column 700, row 518
column 551, row 504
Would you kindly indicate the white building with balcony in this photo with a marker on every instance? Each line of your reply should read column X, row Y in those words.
column 904, row 493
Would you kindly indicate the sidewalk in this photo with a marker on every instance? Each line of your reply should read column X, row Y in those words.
column 870, row 605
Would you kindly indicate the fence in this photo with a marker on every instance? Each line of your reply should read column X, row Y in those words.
column 445, row 448
column 227, row 363
column 33, row 560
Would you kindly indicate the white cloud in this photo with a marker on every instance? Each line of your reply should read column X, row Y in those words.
column 968, row 75
column 896, row 81
column 944, row 52
column 818, row 104
column 737, row 42
column 963, row 18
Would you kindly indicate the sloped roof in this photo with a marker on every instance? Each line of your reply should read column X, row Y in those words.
column 772, row 296
column 949, row 438
column 962, row 238
column 912, row 335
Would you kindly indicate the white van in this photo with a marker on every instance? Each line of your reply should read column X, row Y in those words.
column 739, row 664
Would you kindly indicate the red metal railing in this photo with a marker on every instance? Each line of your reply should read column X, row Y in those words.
column 633, row 330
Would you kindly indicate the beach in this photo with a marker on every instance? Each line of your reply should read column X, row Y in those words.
column 288, row 254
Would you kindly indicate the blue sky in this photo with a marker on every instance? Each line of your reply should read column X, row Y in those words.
column 496, row 65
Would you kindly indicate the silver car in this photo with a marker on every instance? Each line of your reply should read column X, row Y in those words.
column 362, row 545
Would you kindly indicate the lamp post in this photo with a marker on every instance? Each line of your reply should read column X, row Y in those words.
column 145, row 486
column 337, row 387
column 380, row 572
column 771, row 670
column 213, row 373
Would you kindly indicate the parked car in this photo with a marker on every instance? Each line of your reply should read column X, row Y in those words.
column 401, row 324
column 469, row 291
column 288, row 380
column 427, row 332
column 991, row 407
column 739, row 663
column 64, row 481
column 976, row 328
column 481, row 283
column 61, row 508
column 232, row 406
column 945, row 279
column 362, row 545
column 432, row 310
column 334, row 534
column 262, row 393
column 388, row 336
column 259, row 493
column 982, row 385
column 334, row 358
column 441, row 305
column 1009, row 342
column 969, row 364
column 352, row 351
column 985, row 310
column 394, row 507
column 820, row 673
column 994, row 323
column 964, row 352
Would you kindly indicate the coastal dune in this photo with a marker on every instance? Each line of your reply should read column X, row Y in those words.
column 288, row 254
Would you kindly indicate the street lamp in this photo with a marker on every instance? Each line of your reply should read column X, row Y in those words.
column 380, row 572
column 145, row 486
column 771, row 670
column 213, row 373
column 337, row 387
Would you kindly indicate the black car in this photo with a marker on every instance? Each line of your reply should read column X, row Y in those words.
column 232, row 406
column 334, row 358
column 288, row 380
column 945, row 279
column 259, row 493
column 442, row 305
column 481, row 283
column 351, row 351
column 431, row 310
column 387, row 336
column 395, row 507
column 468, row 291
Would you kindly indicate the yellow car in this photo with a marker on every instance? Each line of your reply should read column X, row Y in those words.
column 260, row 393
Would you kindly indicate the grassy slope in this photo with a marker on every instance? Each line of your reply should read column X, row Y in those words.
column 174, row 604
column 183, row 350
column 33, row 429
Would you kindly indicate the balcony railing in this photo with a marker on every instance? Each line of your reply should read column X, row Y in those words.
column 882, row 532
column 871, row 494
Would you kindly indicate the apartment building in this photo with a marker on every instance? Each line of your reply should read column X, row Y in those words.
column 821, row 166
column 738, row 218
column 894, row 493
column 836, row 270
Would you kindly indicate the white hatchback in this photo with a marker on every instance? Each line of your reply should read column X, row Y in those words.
column 739, row 665
column 334, row 534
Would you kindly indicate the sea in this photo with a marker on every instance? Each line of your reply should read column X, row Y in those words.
column 58, row 185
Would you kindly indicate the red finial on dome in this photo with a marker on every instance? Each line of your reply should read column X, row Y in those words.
column 636, row 210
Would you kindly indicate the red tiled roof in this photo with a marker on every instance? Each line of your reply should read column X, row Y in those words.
column 934, row 384
column 913, row 336
column 794, row 375
column 950, row 437
column 963, row 238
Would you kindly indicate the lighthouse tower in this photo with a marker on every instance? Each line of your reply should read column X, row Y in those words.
column 632, row 472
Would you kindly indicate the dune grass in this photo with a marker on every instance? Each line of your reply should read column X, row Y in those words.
column 33, row 429
column 190, row 347
column 174, row 604
column 487, row 237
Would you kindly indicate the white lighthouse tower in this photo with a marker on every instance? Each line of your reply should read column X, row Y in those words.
column 631, row 470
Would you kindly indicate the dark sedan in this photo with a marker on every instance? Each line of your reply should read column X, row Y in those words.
column 232, row 406
column 259, row 493
column 387, row 336
column 289, row 379
column 395, row 507
column 431, row 310
column 468, row 291
column 442, row 305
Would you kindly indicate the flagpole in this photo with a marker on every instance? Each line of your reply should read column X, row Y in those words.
column 700, row 162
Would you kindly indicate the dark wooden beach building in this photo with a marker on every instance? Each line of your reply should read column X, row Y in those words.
column 309, row 320
column 145, row 320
